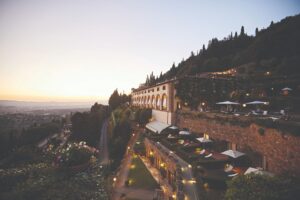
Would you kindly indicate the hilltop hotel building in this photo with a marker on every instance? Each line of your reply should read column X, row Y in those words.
column 161, row 98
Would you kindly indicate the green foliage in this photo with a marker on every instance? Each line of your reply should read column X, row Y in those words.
column 87, row 126
column 30, row 136
column 35, row 134
column 261, row 131
column 280, row 41
column 262, row 187
column 139, row 146
column 50, row 184
column 140, row 177
column 116, row 99
column 193, row 91
column 142, row 116
column 22, row 156
column 120, row 134
column 74, row 154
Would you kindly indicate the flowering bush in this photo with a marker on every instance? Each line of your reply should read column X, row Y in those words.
column 75, row 154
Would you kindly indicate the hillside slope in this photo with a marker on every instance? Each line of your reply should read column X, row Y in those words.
column 275, row 49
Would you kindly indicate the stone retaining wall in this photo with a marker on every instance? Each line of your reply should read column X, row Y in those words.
column 282, row 150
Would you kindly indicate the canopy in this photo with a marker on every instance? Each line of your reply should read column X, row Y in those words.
column 156, row 126
column 257, row 103
column 173, row 127
column 203, row 140
column 251, row 170
column 233, row 153
column 227, row 103
column 287, row 88
column 257, row 171
column 184, row 133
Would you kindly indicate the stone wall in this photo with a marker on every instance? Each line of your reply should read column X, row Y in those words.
column 282, row 150
column 163, row 116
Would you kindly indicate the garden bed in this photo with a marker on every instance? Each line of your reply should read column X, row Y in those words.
column 139, row 176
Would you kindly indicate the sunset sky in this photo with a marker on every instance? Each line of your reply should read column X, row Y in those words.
column 81, row 50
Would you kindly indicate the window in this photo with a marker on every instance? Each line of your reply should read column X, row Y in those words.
column 164, row 87
column 157, row 89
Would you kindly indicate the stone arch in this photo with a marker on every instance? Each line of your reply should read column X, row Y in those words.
column 164, row 103
column 148, row 101
column 157, row 102
column 153, row 103
column 145, row 101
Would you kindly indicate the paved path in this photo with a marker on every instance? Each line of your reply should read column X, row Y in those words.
column 189, row 188
column 135, row 193
column 122, row 175
column 157, row 176
column 104, row 154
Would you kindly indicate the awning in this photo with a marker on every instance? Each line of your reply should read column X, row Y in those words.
column 233, row 153
column 203, row 140
column 227, row 103
column 257, row 103
column 156, row 126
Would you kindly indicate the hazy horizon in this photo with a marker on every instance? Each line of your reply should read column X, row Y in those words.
column 80, row 51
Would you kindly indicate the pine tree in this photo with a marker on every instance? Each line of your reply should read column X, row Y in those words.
column 160, row 76
column 256, row 31
column 147, row 81
column 192, row 54
column 235, row 35
column 242, row 31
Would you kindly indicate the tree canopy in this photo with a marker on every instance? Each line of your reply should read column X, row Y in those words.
column 117, row 99
column 262, row 187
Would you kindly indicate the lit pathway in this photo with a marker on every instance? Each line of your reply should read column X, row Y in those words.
column 190, row 189
column 121, row 177
column 157, row 176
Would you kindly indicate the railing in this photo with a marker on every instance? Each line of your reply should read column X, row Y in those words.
column 291, row 127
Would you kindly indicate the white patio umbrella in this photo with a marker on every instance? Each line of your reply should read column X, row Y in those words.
column 233, row 153
column 184, row 133
column 257, row 171
column 173, row 127
column 257, row 103
column 251, row 170
column 287, row 88
column 227, row 103
column 203, row 140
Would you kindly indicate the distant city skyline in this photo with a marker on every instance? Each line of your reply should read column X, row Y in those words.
column 80, row 51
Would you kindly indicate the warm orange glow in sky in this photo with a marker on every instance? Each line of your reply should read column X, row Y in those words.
column 76, row 50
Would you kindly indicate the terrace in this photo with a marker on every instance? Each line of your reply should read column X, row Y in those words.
column 244, row 119
column 212, row 166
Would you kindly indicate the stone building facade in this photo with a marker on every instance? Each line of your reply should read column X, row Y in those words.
column 161, row 98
